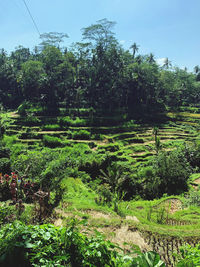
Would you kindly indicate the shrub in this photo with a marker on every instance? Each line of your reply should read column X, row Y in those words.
column 52, row 142
column 110, row 147
column 5, row 166
column 97, row 136
column 192, row 199
column 51, row 127
column 28, row 107
column 190, row 256
column 47, row 245
column 32, row 120
column 23, row 108
column 173, row 171
column 67, row 121
column 81, row 134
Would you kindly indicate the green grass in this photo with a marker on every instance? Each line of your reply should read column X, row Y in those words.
column 79, row 200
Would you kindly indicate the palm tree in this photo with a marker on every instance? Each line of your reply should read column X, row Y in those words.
column 150, row 58
column 114, row 177
column 167, row 63
column 135, row 48
column 196, row 69
column 139, row 59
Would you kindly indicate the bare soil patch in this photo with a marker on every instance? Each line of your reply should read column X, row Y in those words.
column 132, row 218
column 172, row 205
column 125, row 237
column 98, row 214
column 197, row 181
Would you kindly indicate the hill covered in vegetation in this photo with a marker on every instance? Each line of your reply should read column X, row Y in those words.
column 96, row 138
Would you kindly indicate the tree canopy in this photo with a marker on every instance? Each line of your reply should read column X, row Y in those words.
column 98, row 73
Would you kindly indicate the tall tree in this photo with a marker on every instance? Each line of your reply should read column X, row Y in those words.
column 151, row 58
column 167, row 63
column 134, row 48
column 32, row 79
column 196, row 69
column 100, row 33
column 52, row 39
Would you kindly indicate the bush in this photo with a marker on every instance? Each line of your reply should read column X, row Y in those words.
column 28, row 107
column 97, row 136
column 192, row 199
column 52, row 142
column 67, row 121
column 47, row 245
column 32, row 120
column 51, row 127
column 173, row 171
column 81, row 134
column 23, row 108
column 5, row 165
column 110, row 147
column 190, row 256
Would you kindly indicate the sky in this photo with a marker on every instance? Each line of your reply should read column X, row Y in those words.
column 166, row 28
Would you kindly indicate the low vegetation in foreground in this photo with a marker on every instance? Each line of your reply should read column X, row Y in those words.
column 110, row 198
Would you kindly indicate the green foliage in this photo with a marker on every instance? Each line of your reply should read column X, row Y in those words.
column 105, row 195
column 29, row 108
column 67, row 121
column 32, row 120
column 81, row 134
column 5, row 165
column 192, row 199
column 5, row 213
column 97, row 136
column 51, row 127
column 190, row 256
column 9, row 141
column 110, row 147
column 52, row 142
column 148, row 259
column 94, row 77
column 47, row 245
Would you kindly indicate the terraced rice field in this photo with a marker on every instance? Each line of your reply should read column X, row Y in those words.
column 134, row 143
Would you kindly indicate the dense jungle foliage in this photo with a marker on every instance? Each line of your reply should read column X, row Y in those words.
column 97, row 73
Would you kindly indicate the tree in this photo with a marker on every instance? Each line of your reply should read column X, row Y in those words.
column 19, row 56
column 32, row 78
column 150, row 58
column 197, row 72
column 173, row 170
column 157, row 139
column 52, row 39
column 101, row 33
column 115, row 178
column 196, row 69
column 135, row 48
column 167, row 63
column 9, row 88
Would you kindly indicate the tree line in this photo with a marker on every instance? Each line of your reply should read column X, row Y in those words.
column 96, row 73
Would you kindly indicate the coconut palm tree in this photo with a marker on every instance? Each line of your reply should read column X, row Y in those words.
column 167, row 63
column 150, row 58
column 196, row 69
column 135, row 48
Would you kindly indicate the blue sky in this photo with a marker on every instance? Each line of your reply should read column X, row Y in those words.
column 167, row 28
